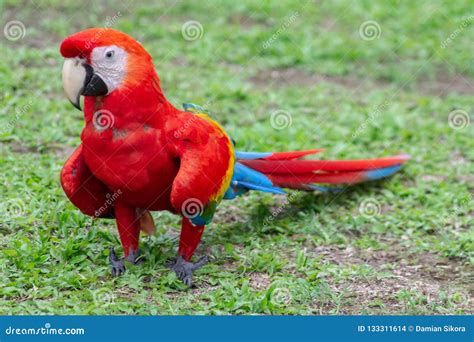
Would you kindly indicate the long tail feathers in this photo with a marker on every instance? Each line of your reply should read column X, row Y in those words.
column 305, row 166
column 270, row 172
column 274, row 155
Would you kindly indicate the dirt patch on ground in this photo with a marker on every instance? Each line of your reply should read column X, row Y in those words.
column 259, row 281
column 443, row 85
column 61, row 151
column 422, row 273
column 180, row 61
column 197, row 290
column 230, row 213
column 246, row 21
column 466, row 179
column 433, row 178
column 458, row 158
column 18, row 147
column 277, row 78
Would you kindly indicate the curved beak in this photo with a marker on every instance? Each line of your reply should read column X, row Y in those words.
column 79, row 79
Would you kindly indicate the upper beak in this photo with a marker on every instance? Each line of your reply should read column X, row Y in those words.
column 79, row 79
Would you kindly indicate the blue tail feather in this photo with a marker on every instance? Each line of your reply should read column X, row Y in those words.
column 251, row 155
column 324, row 188
column 251, row 186
column 245, row 179
column 382, row 173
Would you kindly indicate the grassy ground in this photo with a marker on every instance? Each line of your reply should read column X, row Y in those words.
column 355, row 87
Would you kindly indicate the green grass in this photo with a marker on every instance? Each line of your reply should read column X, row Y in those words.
column 320, row 255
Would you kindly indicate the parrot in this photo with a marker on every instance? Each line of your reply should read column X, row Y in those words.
column 139, row 153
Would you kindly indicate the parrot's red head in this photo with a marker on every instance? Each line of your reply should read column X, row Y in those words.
column 100, row 61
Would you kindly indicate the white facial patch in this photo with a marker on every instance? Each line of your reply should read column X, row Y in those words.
column 109, row 62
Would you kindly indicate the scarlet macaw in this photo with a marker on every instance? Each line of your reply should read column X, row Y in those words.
column 139, row 153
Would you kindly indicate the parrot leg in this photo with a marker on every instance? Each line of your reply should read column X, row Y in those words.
column 188, row 242
column 128, row 224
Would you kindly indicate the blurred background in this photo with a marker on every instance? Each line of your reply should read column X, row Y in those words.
column 358, row 78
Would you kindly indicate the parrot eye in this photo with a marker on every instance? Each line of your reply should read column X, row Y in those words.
column 110, row 63
column 109, row 54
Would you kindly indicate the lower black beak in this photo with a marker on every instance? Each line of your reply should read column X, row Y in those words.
column 94, row 85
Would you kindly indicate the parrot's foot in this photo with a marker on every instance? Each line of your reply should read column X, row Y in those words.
column 117, row 265
column 184, row 269
column 134, row 257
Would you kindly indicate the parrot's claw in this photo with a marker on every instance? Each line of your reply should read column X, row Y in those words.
column 134, row 257
column 184, row 269
column 116, row 264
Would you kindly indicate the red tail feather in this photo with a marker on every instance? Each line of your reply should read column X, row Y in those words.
column 309, row 178
column 291, row 155
column 305, row 166
column 284, row 171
